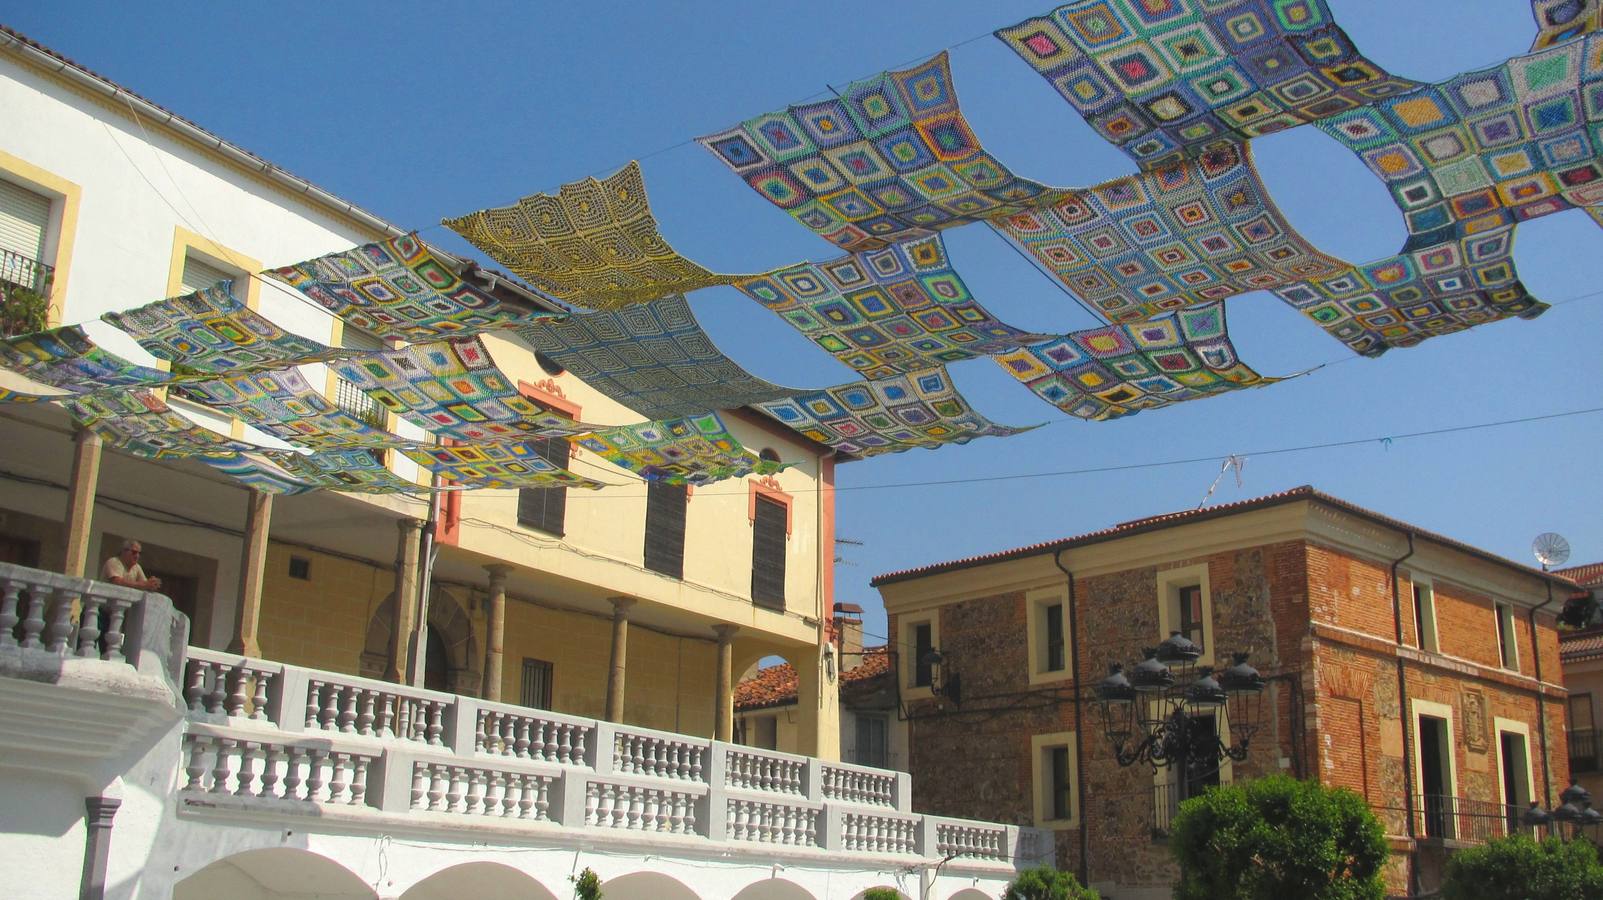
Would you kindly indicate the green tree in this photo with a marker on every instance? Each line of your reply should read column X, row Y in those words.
column 1519, row 868
column 1047, row 883
column 1278, row 837
column 586, row 885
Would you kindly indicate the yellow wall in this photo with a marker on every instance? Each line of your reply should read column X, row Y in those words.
column 320, row 623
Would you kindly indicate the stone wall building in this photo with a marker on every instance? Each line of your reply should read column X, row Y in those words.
column 1582, row 653
column 1401, row 664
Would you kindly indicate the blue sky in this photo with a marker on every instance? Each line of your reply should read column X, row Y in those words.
column 418, row 111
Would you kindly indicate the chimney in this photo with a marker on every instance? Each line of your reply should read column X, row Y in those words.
column 849, row 635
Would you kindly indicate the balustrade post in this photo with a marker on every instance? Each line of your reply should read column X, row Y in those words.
column 605, row 749
column 831, row 828
column 813, row 787
column 389, row 784
column 928, row 838
column 286, row 699
column 570, row 794
column 461, row 725
column 903, row 801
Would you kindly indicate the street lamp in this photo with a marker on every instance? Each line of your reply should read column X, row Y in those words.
column 1161, row 699
column 1574, row 809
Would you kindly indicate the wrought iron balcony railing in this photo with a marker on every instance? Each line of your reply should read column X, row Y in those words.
column 19, row 271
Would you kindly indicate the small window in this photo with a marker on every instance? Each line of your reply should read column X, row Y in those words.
column 1425, row 617
column 24, row 217
column 923, row 646
column 1189, row 622
column 768, row 553
column 536, row 686
column 1062, row 799
column 544, row 509
column 872, row 741
column 665, row 528
column 300, row 567
column 198, row 275
column 1052, row 770
column 1508, row 651
column 1054, row 637
column 1185, row 605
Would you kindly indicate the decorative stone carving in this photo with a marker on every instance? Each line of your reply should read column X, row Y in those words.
column 1475, row 721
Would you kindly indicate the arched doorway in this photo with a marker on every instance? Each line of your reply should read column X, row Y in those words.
column 480, row 881
column 646, row 886
column 278, row 873
column 773, row 889
column 452, row 661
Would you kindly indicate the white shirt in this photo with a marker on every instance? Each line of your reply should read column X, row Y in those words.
column 115, row 569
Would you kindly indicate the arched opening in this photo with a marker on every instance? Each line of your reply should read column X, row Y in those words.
column 278, row 873
column 451, row 658
column 646, row 886
column 882, row 887
column 773, row 889
column 481, row 881
column 436, row 666
column 970, row 894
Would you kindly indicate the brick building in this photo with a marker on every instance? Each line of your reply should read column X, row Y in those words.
column 1582, row 653
column 1401, row 664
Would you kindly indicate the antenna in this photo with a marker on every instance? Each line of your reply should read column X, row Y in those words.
column 1550, row 549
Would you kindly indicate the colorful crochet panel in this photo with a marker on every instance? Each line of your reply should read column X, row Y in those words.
column 453, row 389
column 1400, row 301
column 257, row 473
column 66, row 358
column 140, row 423
column 514, row 465
column 1194, row 232
column 1560, row 20
column 356, row 471
column 593, row 244
column 873, row 417
column 213, row 332
column 1488, row 148
column 887, row 312
column 285, row 406
column 653, row 358
column 1163, row 79
column 399, row 288
column 891, row 158
column 1119, row 370
column 696, row 450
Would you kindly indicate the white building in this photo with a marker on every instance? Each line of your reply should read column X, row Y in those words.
column 138, row 761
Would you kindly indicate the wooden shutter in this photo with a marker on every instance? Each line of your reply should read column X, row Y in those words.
column 24, row 216
column 199, row 275
column 768, row 554
column 536, row 686
column 543, row 509
column 665, row 528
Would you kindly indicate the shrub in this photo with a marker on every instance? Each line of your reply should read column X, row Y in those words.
column 882, row 893
column 22, row 311
column 586, row 885
column 1278, row 837
column 1519, row 868
column 1047, row 883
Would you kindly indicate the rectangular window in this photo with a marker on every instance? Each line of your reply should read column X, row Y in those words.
column 544, row 509
column 665, row 528
column 1062, row 799
column 198, row 275
column 1053, row 776
column 768, row 554
column 1582, row 735
column 1508, row 652
column 24, row 216
column 536, row 685
column 300, row 568
column 1054, row 638
column 1425, row 618
column 872, row 741
column 1189, row 622
column 923, row 646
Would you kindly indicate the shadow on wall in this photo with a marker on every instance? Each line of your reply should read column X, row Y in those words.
column 481, row 881
column 646, row 886
column 772, row 889
column 274, row 874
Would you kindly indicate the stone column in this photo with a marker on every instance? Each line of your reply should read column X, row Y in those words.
column 495, row 631
column 620, row 657
column 252, row 562
column 98, row 813
column 81, row 501
column 818, row 702
column 723, row 721
column 405, row 599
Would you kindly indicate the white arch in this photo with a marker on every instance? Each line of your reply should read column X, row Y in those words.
column 899, row 893
column 481, row 881
column 646, row 886
column 970, row 894
column 773, row 889
column 276, row 873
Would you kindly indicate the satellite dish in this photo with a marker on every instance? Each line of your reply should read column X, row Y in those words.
column 1550, row 549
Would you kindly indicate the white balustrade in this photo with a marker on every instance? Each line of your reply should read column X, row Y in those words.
column 480, row 791
column 533, row 735
column 632, row 807
column 69, row 617
column 859, row 785
column 766, row 822
column 972, row 840
column 221, row 684
column 877, row 833
column 658, row 754
column 217, row 764
column 375, row 709
column 756, row 770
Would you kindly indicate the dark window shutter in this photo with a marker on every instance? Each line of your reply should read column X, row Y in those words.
column 665, row 528
column 543, row 509
column 768, row 554
column 536, row 687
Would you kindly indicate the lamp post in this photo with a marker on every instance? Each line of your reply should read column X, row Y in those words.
column 1150, row 716
column 1574, row 809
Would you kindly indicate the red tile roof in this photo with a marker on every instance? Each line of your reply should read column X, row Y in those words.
column 1165, row 520
column 1589, row 575
column 1575, row 646
column 776, row 685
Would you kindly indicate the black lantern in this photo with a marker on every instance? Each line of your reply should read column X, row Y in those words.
column 1166, row 707
column 1574, row 809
